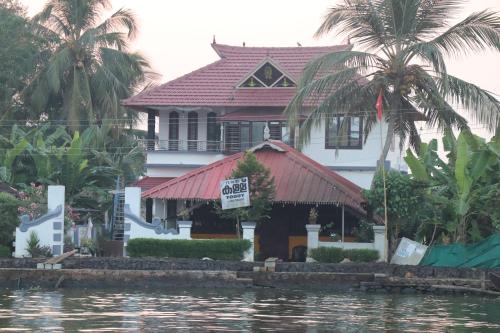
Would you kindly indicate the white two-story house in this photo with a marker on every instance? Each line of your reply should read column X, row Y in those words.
column 227, row 106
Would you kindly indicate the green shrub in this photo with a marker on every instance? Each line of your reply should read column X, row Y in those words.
column 218, row 249
column 361, row 255
column 327, row 254
column 9, row 218
column 335, row 255
column 5, row 251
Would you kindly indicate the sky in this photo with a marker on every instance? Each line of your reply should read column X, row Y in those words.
column 175, row 35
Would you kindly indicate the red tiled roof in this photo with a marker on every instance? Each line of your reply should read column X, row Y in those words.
column 215, row 84
column 147, row 183
column 298, row 179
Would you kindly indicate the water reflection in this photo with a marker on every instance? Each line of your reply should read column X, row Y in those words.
column 259, row 310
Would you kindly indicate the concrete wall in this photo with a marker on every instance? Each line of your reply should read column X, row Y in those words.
column 378, row 243
column 135, row 227
column 49, row 228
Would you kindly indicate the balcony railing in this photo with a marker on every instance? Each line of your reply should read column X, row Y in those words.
column 183, row 145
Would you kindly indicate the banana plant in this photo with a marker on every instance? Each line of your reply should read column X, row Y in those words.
column 461, row 181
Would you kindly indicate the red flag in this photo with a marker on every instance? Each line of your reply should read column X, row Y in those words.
column 379, row 105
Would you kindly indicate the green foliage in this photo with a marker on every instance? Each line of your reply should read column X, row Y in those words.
column 262, row 190
column 361, row 255
column 48, row 155
column 405, row 204
column 217, row 249
column 327, row 254
column 336, row 255
column 464, row 190
column 18, row 59
column 9, row 219
column 5, row 251
column 34, row 249
column 90, row 69
column 401, row 47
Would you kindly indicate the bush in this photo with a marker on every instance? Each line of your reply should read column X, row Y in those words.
column 9, row 219
column 5, row 251
column 327, row 254
column 335, row 255
column 218, row 249
column 361, row 255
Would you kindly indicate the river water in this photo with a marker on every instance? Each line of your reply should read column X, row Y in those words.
column 255, row 310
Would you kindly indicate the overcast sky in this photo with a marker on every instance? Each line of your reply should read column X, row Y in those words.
column 175, row 35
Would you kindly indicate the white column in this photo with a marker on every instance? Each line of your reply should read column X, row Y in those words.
column 133, row 199
column 312, row 236
column 249, row 233
column 379, row 241
column 55, row 198
column 184, row 229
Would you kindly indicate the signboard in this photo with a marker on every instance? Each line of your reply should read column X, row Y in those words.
column 408, row 252
column 234, row 193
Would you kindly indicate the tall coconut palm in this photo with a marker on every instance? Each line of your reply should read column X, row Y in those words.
column 401, row 51
column 90, row 69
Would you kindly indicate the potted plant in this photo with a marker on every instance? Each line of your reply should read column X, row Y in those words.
column 184, row 214
column 313, row 216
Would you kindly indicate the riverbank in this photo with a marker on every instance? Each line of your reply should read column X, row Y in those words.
column 187, row 273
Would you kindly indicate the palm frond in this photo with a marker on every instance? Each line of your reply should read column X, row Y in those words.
column 358, row 20
column 479, row 103
column 478, row 32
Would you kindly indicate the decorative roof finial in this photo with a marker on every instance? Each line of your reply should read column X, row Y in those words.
column 244, row 44
column 267, row 134
column 214, row 42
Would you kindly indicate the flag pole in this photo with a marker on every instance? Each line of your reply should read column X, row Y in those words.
column 379, row 107
column 386, row 237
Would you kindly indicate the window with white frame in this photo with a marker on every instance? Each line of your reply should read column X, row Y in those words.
column 344, row 132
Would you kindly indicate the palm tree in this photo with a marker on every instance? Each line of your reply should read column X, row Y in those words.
column 90, row 69
column 402, row 50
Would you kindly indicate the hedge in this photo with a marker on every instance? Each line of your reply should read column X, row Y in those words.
column 217, row 249
column 9, row 218
column 335, row 255
column 361, row 255
column 5, row 251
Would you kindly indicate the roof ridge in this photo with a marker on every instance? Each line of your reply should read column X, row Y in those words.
column 304, row 160
column 238, row 47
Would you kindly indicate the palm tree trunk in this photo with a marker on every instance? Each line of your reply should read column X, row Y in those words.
column 387, row 144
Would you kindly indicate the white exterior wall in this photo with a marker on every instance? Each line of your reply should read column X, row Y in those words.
column 357, row 165
column 345, row 159
column 49, row 228
column 135, row 227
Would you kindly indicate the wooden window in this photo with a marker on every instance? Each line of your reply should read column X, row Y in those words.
column 192, row 130
column 173, row 131
column 344, row 133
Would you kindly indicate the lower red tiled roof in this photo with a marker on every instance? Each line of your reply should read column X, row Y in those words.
column 147, row 183
column 298, row 179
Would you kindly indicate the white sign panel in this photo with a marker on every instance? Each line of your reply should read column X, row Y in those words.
column 234, row 193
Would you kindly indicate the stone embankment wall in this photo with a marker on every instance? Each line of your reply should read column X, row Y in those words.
column 237, row 266
column 23, row 278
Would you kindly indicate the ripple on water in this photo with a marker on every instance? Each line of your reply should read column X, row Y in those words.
column 242, row 311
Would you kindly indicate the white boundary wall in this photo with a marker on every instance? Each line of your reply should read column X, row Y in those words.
column 378, row 243
column 49, row 227
column 135, row 227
